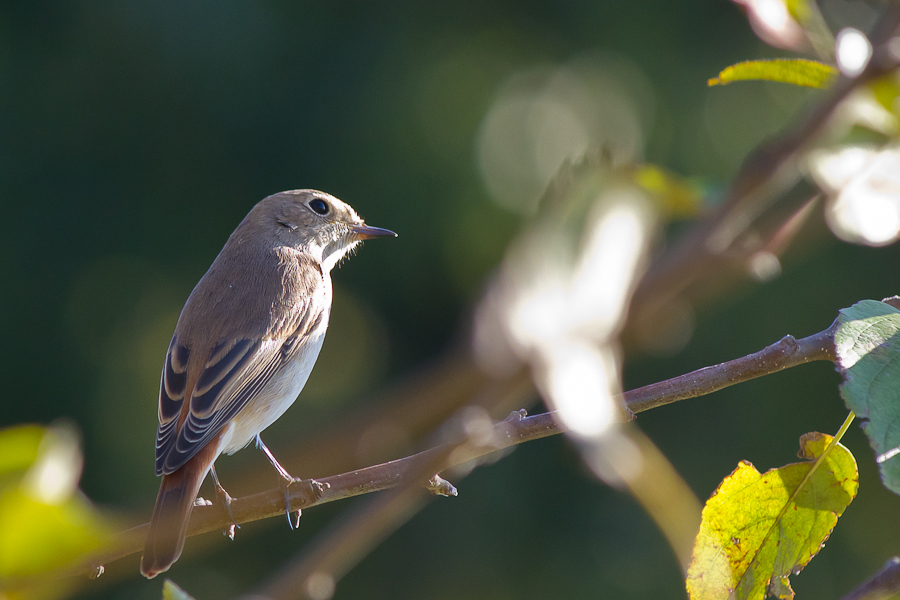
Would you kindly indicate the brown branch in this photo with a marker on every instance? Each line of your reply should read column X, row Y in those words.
column 783, row 354
column 787, row 352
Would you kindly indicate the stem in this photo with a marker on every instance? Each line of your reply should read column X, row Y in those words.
column 821, row 460
column 841, row 431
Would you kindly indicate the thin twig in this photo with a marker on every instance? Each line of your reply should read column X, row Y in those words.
column 783, row 354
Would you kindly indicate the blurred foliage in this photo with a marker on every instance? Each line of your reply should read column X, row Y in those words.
column 45, row 523
column 137, row 134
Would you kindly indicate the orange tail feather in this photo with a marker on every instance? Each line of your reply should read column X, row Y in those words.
column 169, row 523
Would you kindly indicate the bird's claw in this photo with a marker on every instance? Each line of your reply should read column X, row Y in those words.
column 224, row 498
column 285, row 486
column 317, row 488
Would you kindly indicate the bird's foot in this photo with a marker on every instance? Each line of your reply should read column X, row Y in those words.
column 286, row 480
column 224, row 498
column 316, row 491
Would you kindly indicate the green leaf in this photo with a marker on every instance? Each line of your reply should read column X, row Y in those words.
column 19, row 447
column 867, row 344
column 799, row 9
column 758, row 529
column 886, row 91
column 37, row 538
column 45, row 523
column 808, row 73
column 173, row 592
column 678, row 197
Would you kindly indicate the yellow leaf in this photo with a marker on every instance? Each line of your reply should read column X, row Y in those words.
column 886, row 90
column 678, row 197
column 19, row 447
column 808, row 73
column 759, row 528
column 799, row 9
column 46, row 525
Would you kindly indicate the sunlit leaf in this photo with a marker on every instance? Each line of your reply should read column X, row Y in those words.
column 19, row 447
column 759, row 528
column 45, row 523
column 867, row 344
column 886, row 91
column 172, row 592
column 37, row 537
column 808, row 73
column 799, row 9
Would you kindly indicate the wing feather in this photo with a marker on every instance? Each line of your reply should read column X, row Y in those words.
column 235, row 373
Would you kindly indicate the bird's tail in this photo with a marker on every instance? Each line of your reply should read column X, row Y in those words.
column 168, row 525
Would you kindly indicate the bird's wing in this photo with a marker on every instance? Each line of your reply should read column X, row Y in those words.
column 233, row 375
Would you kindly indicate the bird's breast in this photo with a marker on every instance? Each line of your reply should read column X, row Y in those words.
column 278, row 395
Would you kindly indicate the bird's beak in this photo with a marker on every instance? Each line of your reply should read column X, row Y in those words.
column 364, row 232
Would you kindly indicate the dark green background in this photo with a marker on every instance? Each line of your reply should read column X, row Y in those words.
column 136, row 135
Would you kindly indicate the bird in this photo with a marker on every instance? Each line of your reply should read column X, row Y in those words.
column 244, row 346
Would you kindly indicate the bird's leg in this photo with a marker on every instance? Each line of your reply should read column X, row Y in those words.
column 225, row 499
column 286, row 480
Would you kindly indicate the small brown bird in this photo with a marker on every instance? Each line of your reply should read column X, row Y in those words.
column 244, row 347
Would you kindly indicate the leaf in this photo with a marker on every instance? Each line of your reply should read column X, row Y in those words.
column 799, row 9
column 172, row 592
column 808, row 73
column 45, row 523
column 758, row 529
column 861, row 182
column 36, row 537
column 886, row 91
column 19, row 447
column 678, row 197
column 866, row 343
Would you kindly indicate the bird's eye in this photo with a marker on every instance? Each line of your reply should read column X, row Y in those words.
column 320, row 207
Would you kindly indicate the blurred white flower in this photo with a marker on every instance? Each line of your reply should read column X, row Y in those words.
column 773, row 23
column 863, row 185
column 54, row 476
column 852, row 50
column 580, row 380
column 561, row 298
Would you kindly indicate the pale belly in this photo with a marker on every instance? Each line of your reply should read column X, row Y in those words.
column 275, row 398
